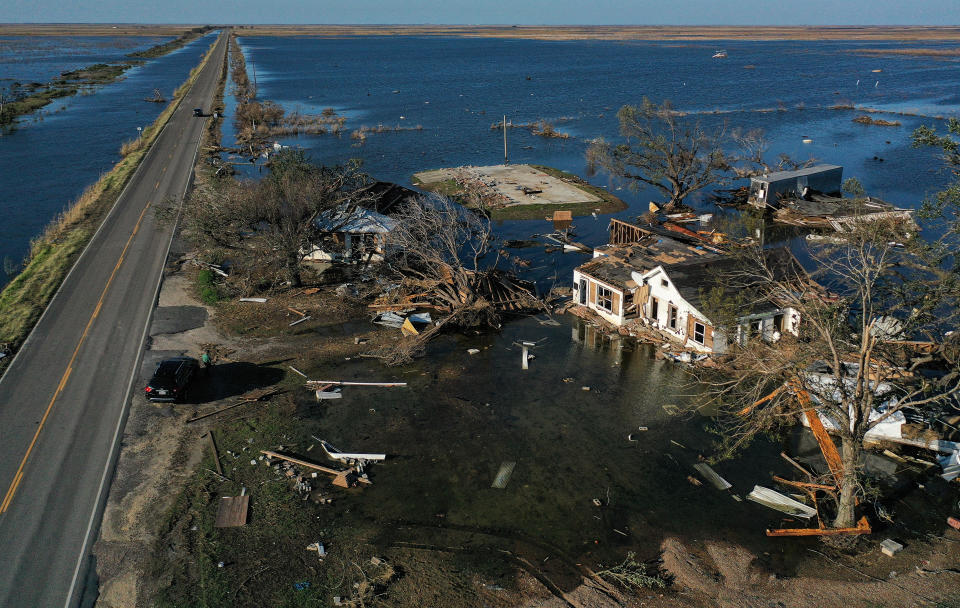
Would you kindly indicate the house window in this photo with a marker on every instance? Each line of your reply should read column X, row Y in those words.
column 672, row 317
column 664, row 283
column 654, row 306
column 604, row 298
column 699, row 332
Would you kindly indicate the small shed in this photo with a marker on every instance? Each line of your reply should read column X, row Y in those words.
column 766, row 190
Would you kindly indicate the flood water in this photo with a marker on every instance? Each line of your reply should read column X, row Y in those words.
column 27, row 59
column 50, row 157
column 464, row 416
column 456, row 88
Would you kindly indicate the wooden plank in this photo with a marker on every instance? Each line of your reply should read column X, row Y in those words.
column 339, row 383
column 216, row 454
column 232, row 512
column 252, row 398
column 862, row 527
column 830, row 453
column 339, row 475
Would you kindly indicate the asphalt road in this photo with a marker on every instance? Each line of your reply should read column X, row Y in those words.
column 64, row 399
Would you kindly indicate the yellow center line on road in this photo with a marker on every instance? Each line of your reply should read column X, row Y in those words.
column 66, row 375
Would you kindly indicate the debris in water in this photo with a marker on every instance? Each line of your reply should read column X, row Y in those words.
column 503, row 475
column 710, row 475
column 890, row 547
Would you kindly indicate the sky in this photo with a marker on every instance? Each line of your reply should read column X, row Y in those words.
column 523, row 12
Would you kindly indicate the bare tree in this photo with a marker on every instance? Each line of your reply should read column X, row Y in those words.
column 439, row 245
column 852, row 358
column 266, row 228
column 664, row 150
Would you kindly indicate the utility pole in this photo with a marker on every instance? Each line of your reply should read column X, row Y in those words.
column 506, row 160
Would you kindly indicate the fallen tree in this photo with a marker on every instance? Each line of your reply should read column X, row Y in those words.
column 439, row 257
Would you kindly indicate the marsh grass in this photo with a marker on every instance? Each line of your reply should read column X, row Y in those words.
column 54, row 252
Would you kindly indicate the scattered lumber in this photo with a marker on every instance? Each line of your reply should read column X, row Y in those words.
column 776, row 500
column 216, row 454
column 251, row 397
column 710, row 475
column 344, row 478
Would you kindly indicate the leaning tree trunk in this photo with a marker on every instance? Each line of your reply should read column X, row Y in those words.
column 293, row 271
column 846, row 510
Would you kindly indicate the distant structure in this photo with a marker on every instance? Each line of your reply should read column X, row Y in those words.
column 767, row 190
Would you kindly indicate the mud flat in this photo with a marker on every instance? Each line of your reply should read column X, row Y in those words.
column 519, row 191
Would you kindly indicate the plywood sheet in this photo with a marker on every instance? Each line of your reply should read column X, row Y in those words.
column 232, row 511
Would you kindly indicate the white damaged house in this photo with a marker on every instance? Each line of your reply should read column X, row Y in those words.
column 665, row 284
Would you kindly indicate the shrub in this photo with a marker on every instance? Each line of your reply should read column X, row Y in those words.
column 208, row 289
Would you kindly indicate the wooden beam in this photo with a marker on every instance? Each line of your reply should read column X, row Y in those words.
column 862, row 527
column 216, row 454
column 830, row 453
column 804, row 484
column 244, row 401
column 337, row 473
column 339, row 383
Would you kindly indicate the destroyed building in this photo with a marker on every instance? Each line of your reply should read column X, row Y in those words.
column 662, row 283
column 769, row 189
column 356, row 232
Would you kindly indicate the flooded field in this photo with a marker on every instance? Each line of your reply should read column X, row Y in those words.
column 51, row 156
column 587, row 479
column 456, row 88
column 27, row 59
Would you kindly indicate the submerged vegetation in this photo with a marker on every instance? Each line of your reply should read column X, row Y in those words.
column 256, row 121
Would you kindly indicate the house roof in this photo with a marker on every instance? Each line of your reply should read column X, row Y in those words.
column 354, row 220
column 777, row 176
column 694, row 280
column 615, row 264
column 385, row 197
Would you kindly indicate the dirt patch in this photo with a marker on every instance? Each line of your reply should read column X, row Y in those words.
column 159, row 453
column 728, row 576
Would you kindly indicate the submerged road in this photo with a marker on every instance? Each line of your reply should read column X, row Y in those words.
column 65, row 397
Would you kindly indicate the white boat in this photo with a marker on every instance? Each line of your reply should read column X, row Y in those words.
column 720, row 55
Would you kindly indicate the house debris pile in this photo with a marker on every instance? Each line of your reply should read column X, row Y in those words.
column 811, row 197
column 306, row 484
column 840, row 214
column 494, row 288
column 499, row 186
